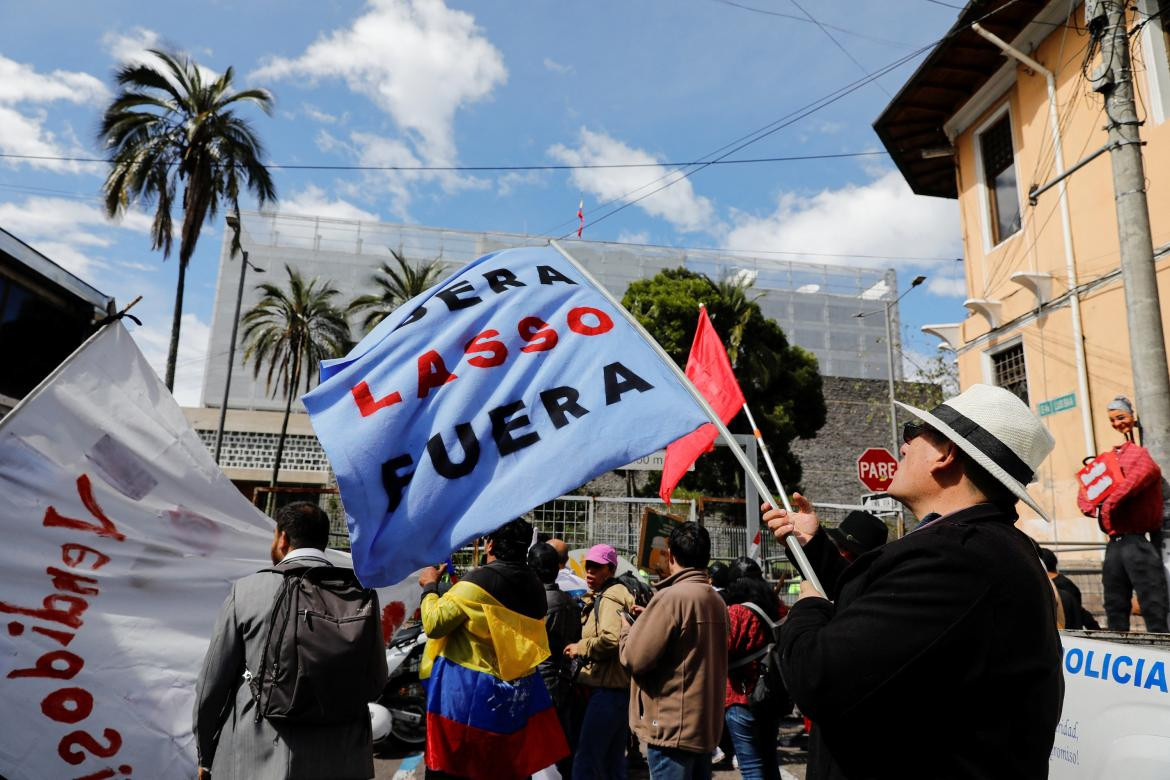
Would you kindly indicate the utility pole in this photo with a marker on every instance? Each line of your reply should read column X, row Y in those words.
column 1113, row 78
column 234, row 223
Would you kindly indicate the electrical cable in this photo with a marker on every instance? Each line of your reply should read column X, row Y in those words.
column 796, row 18
column 489, row 168
column 782, row 122
column 837, row 43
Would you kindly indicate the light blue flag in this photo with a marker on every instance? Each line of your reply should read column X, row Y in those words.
column 509, row 384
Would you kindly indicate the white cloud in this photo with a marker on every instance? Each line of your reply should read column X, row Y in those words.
column 26, row 134
column 677, row 204
column 509, row 182
column 556, row 67
column 882, row 218
column 19, row 83
column 377, row 151
column 627, row 237
column 417, row 60
column 23, row 127
column 314, row 202
column 954, row 286
column 63, row 230
column 317, row 114
column 154, row 340
column 132, row 48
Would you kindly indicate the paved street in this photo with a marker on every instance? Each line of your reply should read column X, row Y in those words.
column 791, row 760
column 411, row 768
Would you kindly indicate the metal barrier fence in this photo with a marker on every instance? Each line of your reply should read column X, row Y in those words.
column 586, row 520
column 583, row 521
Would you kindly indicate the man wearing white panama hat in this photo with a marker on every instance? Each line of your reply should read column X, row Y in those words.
column 949, row 631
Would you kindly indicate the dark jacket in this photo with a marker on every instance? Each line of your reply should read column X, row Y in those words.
column 950, row 631
column 1075, row 614
column 514, row 585
column 562, row 621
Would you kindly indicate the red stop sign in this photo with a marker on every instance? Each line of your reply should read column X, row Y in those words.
column 876, row 467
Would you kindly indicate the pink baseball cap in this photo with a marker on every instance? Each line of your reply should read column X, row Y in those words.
column 603, row 554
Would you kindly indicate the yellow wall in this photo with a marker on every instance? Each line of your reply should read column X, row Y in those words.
column 1039, row 247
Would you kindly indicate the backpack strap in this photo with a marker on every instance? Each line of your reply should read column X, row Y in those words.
column 763, row 651
column 289, row 589
column 593, row 605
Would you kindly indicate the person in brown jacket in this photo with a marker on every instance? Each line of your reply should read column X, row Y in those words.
column 676, row 652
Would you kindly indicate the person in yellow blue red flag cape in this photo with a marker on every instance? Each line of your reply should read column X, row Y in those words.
column 489, row 714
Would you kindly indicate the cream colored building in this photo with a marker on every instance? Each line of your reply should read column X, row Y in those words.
column 976, row 125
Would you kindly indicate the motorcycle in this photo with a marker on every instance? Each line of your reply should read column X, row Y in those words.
column 399, row 716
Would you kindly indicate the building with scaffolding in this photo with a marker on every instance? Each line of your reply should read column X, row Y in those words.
column 816, row 305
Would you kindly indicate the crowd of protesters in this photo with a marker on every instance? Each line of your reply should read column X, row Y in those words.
column 665, row 680
column 532, row 670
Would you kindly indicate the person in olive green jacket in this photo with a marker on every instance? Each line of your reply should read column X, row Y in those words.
column 676, row 652
column 601, row 746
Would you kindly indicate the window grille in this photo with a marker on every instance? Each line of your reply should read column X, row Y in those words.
column 1008, row 368
column 999, row 173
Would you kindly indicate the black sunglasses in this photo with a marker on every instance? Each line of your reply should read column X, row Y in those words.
column 913, row 429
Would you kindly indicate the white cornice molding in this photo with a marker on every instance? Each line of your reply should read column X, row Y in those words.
column 951, row 333
column 1039, row 284
column 987, row 309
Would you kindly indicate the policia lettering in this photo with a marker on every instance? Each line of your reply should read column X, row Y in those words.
column 1119, row 668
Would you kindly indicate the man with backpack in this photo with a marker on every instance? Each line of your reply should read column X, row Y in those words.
column 676, row 653
column 1129, row 515
column 294, row 658
column 601, row 744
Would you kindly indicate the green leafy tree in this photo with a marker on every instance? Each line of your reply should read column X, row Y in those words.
column 289, row 331
column 738, row 304
column 780, row 381
column 395, row 286
column 167, row 127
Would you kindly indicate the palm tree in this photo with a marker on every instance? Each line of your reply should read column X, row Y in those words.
column 395, row 287
column 290, row 332
column 735, row 300
column 168, row 126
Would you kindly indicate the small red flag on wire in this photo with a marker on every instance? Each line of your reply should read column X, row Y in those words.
column 580, row 218
column 710, row 371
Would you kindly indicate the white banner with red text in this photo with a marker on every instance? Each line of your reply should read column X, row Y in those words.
column 121, row 538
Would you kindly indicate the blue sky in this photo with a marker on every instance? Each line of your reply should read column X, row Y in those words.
column 428, row 82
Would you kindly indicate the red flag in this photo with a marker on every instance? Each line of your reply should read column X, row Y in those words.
column 710, row 371
column 580, row 218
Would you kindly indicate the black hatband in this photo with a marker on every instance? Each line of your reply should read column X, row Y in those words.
column 987, row 443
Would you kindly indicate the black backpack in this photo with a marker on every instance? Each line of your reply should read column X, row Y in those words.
column 769, row 698
column 641, row 592
column 322, row 634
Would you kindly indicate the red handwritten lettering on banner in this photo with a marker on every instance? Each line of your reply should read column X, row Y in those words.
column 66, row 607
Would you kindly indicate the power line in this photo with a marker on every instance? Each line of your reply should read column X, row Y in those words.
column 489, row 168
column 837, row 43
column 783, row 121
column 803, row 20
column 759, row 135
column 946, row 5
